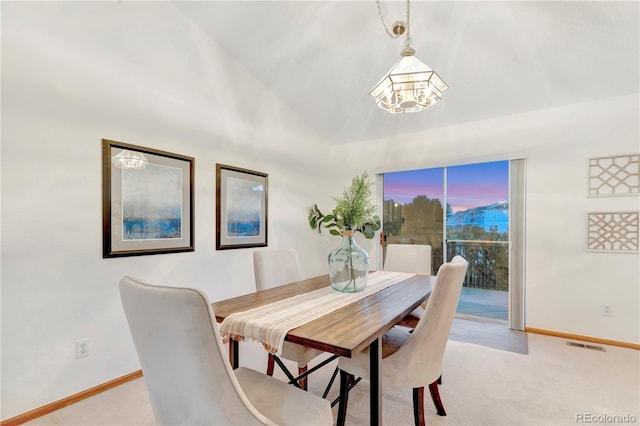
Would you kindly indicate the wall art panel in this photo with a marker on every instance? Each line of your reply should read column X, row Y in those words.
column 612, row 231
column 614, row 175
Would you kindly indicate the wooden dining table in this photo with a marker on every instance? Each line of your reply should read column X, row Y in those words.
column 345, row 331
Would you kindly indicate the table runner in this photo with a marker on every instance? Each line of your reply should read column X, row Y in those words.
column 270, row 323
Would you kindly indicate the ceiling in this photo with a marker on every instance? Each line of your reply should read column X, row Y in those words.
column 499, row 58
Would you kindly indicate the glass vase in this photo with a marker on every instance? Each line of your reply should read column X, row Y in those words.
column 348, row 265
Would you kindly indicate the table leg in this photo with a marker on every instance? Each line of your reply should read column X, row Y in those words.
column 234, row 351
column 375, row 395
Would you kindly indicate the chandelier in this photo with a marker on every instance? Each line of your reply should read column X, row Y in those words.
column 127, row 159
column 410, row 85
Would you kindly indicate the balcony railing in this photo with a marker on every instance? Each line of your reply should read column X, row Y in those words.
column 488, row 262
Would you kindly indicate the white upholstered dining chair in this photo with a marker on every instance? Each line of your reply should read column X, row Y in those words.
column 413, row 360
column 273, row 268
column 188, row 376
column 414, row 259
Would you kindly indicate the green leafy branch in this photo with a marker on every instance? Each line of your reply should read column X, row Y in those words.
column 354, row 211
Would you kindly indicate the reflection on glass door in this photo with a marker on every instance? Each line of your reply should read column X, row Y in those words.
column 478, row 230
column 413, row 212
column 474, row 200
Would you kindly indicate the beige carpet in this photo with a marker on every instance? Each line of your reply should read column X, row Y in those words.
column 554, row 384
column 488, row 332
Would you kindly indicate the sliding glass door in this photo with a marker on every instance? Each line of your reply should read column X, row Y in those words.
column 478, row 230
column 463, row 210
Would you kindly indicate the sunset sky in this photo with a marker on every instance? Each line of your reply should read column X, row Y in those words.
column 468, row 185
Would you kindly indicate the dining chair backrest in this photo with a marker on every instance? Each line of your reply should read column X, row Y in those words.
column 419, row 361
column 411, row 258
column 275, row 267
column 185, row 367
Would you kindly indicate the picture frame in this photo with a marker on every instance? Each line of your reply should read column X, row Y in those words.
column 149, row 209
column 241, row 208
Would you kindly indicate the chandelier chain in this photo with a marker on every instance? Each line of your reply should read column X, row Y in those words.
column 407, row 41
column 391, row 34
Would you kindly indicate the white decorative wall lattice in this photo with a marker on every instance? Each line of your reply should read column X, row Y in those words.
column 614, row 175
column 613, row 231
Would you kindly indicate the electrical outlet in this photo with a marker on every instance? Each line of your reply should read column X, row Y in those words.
column 82, row 348
column 607, row 310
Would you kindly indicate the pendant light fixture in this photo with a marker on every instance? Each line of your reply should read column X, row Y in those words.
column 410, row 85
column 127, row 159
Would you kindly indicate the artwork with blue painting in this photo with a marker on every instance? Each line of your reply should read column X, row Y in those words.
column 244, row 208
column 147, row 201
column 152, row 203
column 241, row 207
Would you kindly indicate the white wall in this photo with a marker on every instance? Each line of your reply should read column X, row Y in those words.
column 565, row 285
column 76, row 72
column 137, row 72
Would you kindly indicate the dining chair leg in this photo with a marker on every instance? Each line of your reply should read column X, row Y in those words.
column 435, row 396
column 270, row 365
column 418, row 406
column 346, row 380
column 303, row 381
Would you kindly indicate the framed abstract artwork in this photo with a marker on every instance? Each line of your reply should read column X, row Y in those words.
column 241, row 208
column 147, row 201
